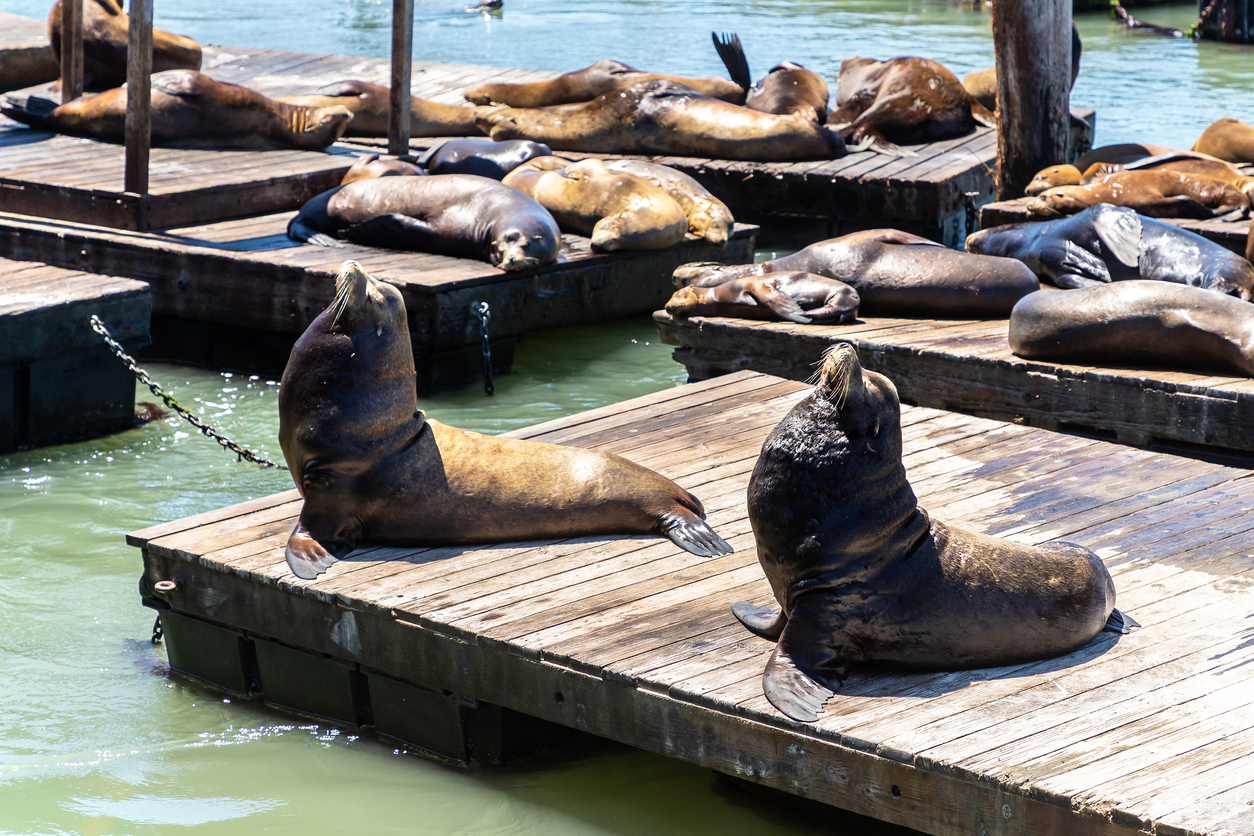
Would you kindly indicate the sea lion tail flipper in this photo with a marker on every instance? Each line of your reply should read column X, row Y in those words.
column 983, row 115
column 761, row 621
column 298, row 230
column 693, row 534
column 865, row 139
column 29, row 110
column 790, row 688
column 1120, row 623
column 733, row 55
column 308, row 557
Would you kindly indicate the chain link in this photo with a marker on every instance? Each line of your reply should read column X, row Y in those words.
column 156, row 631
column 241, row 453
column 485, row 316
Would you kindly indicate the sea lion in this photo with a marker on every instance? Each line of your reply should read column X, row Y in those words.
column 449, row 214
column 482, row 156
column 663, row 117
column 369, row 166
column 372, row 468
column 1157, row 193
column 708, row 216
column 1228, row 139
column 617, row 211
column 982, row 84
column 787, row 88
column 1113, row 243
column 796, row 297
column 1186, row 162
column 369, row 104
column 189, row 110
column 902, row 100
column 895, row 274
column 605, row 76
column 1136, row 323
column 105, row 39
column 864, row 576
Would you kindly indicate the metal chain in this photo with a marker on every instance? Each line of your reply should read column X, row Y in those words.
column 240, row 452
column 973, row 211
column 156, row 631
column 485, row 316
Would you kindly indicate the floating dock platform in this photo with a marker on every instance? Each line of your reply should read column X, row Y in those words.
column 967, row 366
column 59, row 382
column 237, row 294
column 631, row 639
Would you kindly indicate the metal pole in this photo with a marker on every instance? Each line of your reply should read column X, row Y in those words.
column 402, row 67
column 138, row 96
column 71, row 50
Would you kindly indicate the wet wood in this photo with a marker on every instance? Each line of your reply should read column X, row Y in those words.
column 402, row 72
column 71, row 57
column 139, row 96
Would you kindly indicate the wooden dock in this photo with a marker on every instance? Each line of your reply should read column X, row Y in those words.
column 236, row 294
column 25, row 54
column 629, row 638
column 58, row 380
column 967, row 366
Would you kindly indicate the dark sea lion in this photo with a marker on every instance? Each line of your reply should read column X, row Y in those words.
column 708, row 216
column 105, row 39
column 1136, row 323
column 864, row 576
column 605, row 76
column 895, row 274
column 1113, row 243
column 369, row 166
column 370, row 108
column 371, row 468
column 189, row 110
column 482, row 156
column 449, row 214
column 982, row 84
column 902, row 100
column 796, row 297
column 662, row 117
column 1157, row 193
column 617, row 211
column 787, row 88
column 1228, row 139
column 1125, row 153
column 1186, row 162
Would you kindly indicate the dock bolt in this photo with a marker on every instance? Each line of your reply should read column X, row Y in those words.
column 165, row 587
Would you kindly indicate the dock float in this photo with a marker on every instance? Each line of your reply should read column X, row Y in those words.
column 236, row 294
column 967, row 366
column 630, row 638
column 59, row 382
column 25, row 54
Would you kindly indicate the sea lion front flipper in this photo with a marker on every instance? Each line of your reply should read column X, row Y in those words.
column 790, row 687
column 780, row 304
column 693, row 534
column 983, row 115
column 761, row 621
column 298, row 230
column 1117, row 622
column 733, row 54
column 1118, row 228
column 390, row 230
column 309, row 557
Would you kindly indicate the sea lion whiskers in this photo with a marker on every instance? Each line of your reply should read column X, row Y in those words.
column 350, row 282
column 839, row 374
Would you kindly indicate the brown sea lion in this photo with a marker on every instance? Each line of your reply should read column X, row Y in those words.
column 605, row 76
column 1185, row 162
column 371, row 468
column 189, row 110
column 369, row 166
column 662, row 117
column 482, row 156
column 1228, row 139
column 1136, row 323
column 617, row 211
column 105, row 39
column 787, row 88
column 707, row 216
column 450, row 214
column 1112, row 244
column 902, row 100
column 796, row 297
column 1157, row 193
column 864, row 576
column 895, row 274
column 982, row 84
column 370, row 108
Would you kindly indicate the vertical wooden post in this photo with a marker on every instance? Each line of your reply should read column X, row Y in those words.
column 71, row 50
column 138, row 96
column 402, row 67
column 1032, row 42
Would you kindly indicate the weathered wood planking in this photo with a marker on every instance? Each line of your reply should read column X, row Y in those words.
column 1231, row 234
column 249, row 276
column 967, row 366
column 632, row 639
column 58, row 380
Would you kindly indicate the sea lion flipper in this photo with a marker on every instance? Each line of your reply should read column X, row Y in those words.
column 693, row 534
column 1117, row 622
column 780, row 304
column 733, row 55
column 386, row 230
column 790, row 689
column 308, row 557
column 761, row 621
column 1119, row 230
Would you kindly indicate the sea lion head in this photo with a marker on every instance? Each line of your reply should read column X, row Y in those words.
column 314, row 128
column 684, row 300
column 861, row 406
column 1055, row 175
column 362, row 302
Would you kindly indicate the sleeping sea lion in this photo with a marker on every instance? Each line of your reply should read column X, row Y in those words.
column 864, row 576
column 605, row 76
column 662, row 117
column 369, row 166
column 787, row 88
column 707, row 216
column 617, row 211
column 796, row 297
column 370, row 108
column 1186, row 162
column 1113, row 243
column 372, row 468
column 449, row 214
column 189, row 110
column 1136, row 323
column 895, row 274
column 482, row 156
column 105, row 39
column 1157, row 193
column 1228, row 139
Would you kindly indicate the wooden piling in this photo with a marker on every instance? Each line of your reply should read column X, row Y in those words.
column 138, row 96
column 402, row 61
column 71, row 50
